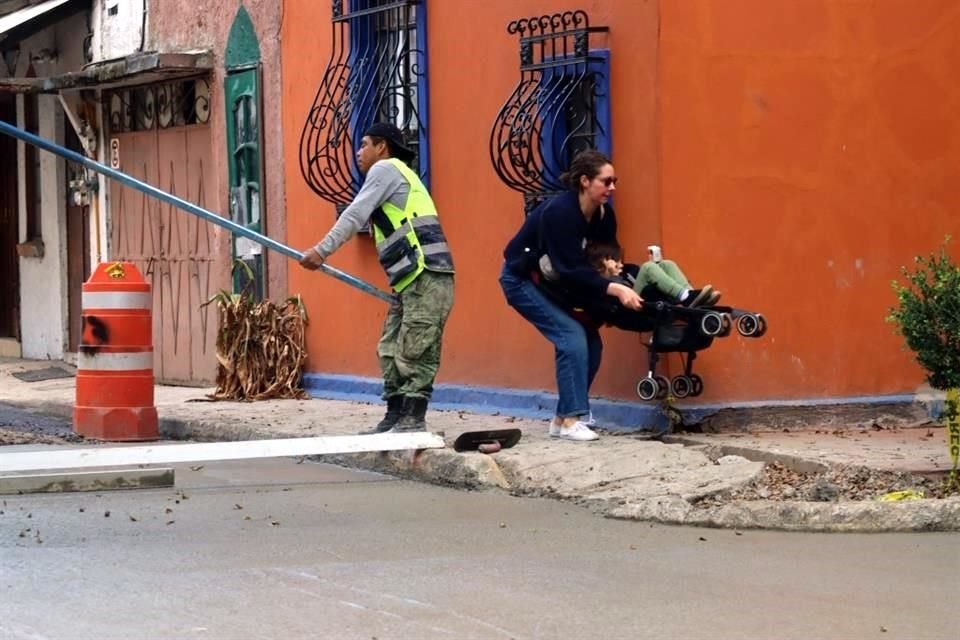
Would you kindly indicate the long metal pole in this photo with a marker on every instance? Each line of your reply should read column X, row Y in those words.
column 189, row 207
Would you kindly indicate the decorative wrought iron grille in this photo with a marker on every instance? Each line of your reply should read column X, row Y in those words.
column 171, row 104
column 559, row 108
column 376, row 72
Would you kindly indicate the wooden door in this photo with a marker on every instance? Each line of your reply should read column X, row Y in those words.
column 175, row 250
column 78, row 245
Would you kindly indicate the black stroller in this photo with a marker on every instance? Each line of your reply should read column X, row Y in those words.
column 674, row 329
column 679, row 329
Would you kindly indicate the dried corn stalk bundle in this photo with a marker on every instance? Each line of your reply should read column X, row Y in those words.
column 261, row 348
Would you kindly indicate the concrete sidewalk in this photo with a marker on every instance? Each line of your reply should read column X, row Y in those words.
column 674, row 481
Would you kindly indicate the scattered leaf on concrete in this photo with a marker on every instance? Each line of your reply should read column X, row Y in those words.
column 132, row 518
column 106, row 514
column 196, row 468
column 702, row 539
column 238, row 506
column 170, row 522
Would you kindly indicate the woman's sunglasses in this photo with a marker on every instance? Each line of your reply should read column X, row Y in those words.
column 608, row 181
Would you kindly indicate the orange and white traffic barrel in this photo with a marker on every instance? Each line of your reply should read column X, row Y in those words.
column 115, row 363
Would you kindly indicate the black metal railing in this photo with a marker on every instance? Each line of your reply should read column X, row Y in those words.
column 170, row 104
column 376, row 72
column 553, row 112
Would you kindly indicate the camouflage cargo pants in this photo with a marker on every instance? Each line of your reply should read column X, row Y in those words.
column 409, row 347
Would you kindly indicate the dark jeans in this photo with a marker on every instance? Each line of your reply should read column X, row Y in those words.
column 578, row 350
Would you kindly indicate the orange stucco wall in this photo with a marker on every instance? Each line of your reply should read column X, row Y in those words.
column 809, row 148
column 793, row 157
column 474, row 65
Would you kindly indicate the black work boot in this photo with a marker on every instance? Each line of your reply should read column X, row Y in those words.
column 414, row 415
column 390, row 419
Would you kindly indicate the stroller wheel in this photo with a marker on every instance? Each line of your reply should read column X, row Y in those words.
column 648, row 389
column 663, row 386
column 727, row 326
column 681, row 386
column 763, row 326
column 697, row 384
column 748, row 325
column 712, row 324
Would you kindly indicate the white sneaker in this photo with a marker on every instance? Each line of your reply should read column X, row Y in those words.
column 555, row 426
column 578, row 431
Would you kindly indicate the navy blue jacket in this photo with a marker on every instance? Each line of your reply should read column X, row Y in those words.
column 558, row 228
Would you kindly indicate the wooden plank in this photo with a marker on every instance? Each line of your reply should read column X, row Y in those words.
column 84, row 458
column 87, row 481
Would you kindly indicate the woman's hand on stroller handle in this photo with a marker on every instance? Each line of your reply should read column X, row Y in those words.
column 627, row 296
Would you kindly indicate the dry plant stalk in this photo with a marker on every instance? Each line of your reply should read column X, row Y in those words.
column 261, row 348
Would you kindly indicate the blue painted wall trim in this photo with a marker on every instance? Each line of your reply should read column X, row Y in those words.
column 520, row 403
column 612, row 414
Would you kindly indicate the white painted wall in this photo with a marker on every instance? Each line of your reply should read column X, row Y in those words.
column 118, row 27
column 43, row 281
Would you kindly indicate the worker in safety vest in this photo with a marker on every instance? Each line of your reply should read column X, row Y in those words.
column 416, row 258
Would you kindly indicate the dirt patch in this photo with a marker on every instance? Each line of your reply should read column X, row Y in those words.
column 777, row 482
column 10, row 436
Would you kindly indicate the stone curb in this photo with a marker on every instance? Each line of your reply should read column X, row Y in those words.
column 860, row 517
column 478, row 471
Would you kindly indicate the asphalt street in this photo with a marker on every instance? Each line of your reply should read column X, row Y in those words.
column 277, row 549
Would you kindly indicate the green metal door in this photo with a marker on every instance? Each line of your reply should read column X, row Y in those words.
column 242, row 92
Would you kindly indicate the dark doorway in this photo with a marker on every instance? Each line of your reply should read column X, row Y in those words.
column 9, row 226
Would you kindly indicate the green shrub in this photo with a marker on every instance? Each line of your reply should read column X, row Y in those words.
column 928, row 316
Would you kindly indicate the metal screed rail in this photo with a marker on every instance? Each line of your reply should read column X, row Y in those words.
column 189, row 207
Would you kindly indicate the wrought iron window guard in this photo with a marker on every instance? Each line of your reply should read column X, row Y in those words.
column 559, row 107
column 376, row 72
column 170, row 104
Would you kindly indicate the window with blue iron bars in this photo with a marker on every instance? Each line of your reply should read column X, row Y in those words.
column 561, row 105
column 376, row 73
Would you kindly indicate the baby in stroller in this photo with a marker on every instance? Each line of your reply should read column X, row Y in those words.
column 656, row 280
column 680, row 318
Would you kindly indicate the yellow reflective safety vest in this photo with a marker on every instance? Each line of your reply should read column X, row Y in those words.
column 410, row 240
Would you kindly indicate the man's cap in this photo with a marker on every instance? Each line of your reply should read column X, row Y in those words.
column 393, row 135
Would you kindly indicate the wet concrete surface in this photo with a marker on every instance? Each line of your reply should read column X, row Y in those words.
column 25, row 422
column 276, row 549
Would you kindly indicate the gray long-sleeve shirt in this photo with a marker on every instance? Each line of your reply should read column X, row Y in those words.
column 384, row 183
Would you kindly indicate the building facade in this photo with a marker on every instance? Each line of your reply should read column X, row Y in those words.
column 793, row 154
column 184, row 100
